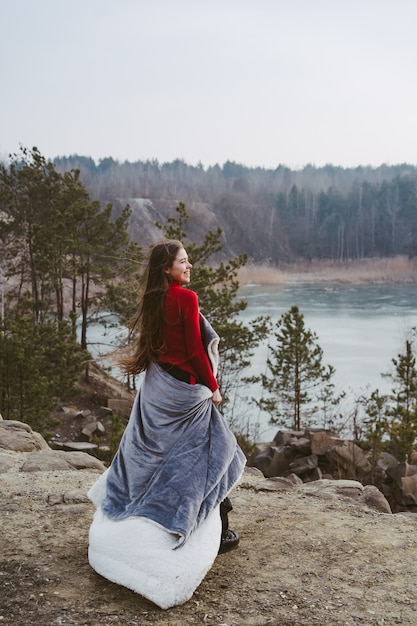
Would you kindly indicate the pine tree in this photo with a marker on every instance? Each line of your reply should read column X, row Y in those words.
column 39, row 364
column 53, row 241
column 376, row 428
column 297, row 381
column 402, row 410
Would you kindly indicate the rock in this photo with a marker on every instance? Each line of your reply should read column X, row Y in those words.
column 314, row 455
column 285, row 437
column 105, row 411
column 322, row 442
column 20, row 437
column 45, row 461
column 254, row 479
column 302, row 445
column 313, row 474
column 271, row 460
column 93, row 427
column 79, row 446
column 375, row 499
column 275, row 483
column 409, row 487
column 65, row 409
column 310, row 454
column 350, row 488
column 16, row 425
column 367, row 495
column 100, row 428
column 304, row 465
column 386, row 460
column 81, row 460
column 6, row 463
column 57, row 460
column 83, row 414
column 349, row 457
column 252, row 472
column 89, row 429
column 120, row 406
column 294, row 479
column 399, row 471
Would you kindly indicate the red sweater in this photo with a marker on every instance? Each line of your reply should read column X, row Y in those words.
column 183, row 344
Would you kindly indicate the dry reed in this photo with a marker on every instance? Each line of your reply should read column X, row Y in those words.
column 399, row 269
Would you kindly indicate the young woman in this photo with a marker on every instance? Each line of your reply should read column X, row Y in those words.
column 162, row 504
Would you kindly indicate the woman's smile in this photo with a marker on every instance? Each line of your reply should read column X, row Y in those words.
column 180, row 268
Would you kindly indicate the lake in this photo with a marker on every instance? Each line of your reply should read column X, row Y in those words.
column 359, row 327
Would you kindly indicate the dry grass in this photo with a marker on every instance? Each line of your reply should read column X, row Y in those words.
column 261, row 275
column 399, row 269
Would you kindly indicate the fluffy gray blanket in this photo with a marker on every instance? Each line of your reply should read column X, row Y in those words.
column 177, row 459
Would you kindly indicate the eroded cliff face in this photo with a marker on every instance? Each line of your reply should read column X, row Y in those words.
column 313, row 553
column 146, row 212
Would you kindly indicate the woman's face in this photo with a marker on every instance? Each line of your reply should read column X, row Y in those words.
column 180, row 268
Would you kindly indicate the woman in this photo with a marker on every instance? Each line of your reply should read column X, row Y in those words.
column 162, row 504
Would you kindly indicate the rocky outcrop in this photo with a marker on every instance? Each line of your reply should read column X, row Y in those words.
column 19, row 437
column 325, row 489
column 21, row 446
column 314, row 459
column 311, row 455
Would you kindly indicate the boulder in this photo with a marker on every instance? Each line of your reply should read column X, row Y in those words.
column 20, row 437
column 409, row 488
column 93, row 427
column 120, row 406
column 6, row 463
column 304, row 464
column 57, row 460
column 285, row 437
column 322, row 442
column 272, row 460
column 376, row 500
column 79, row 446
column 397, row 472
column 349, row 457
column 275, row 483
column 301, row 445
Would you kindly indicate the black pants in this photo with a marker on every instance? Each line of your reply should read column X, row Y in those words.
column 225, row 508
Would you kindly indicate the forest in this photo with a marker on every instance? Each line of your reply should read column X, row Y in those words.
column 274, row 216
column 66, row 241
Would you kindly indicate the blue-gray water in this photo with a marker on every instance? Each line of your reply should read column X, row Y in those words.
column 359, row 327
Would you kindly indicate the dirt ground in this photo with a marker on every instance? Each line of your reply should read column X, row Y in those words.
column 304, row 559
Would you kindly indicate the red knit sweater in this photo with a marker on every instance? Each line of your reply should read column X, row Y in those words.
column 183, row 344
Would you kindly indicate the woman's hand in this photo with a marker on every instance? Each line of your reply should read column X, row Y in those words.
column 216, row 397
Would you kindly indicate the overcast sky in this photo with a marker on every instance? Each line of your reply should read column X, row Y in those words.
column 259, row 82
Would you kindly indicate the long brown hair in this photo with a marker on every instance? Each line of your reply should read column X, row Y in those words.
column 148, row 322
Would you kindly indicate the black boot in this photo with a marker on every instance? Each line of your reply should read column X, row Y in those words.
column 230, row 538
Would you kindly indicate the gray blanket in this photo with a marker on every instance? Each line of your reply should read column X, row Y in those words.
column 177, row 459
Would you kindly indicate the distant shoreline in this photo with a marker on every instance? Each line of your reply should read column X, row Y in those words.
column 399, row 269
